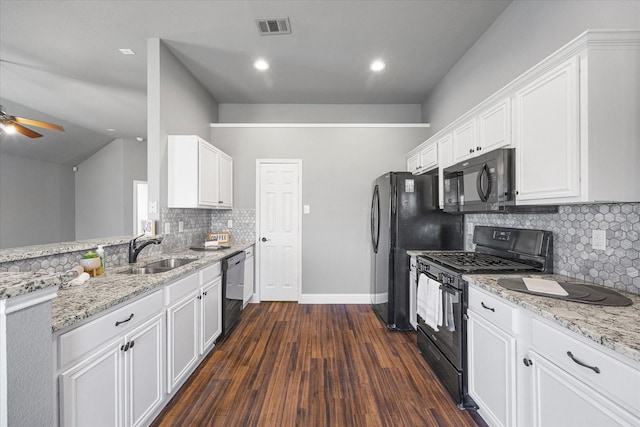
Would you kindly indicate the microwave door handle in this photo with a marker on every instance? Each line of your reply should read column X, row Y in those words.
column 482, row 194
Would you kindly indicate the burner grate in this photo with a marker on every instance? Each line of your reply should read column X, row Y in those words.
column 469, row 261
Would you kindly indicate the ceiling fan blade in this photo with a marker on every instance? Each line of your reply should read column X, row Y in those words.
column 26, row 131
column 38, row 123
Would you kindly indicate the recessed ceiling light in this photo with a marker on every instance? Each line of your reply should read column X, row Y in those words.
column 127, row 51
column 111, row 130
column 139, row 139
column 261, row 65
column 377, row 65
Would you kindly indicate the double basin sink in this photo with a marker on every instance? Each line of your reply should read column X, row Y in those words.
column 161, row 266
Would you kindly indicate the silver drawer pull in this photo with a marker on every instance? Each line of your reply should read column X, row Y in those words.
column 119, row 322
column 593, row 368
column 487, row 308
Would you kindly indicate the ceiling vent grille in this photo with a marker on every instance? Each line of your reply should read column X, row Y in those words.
column 273, row 26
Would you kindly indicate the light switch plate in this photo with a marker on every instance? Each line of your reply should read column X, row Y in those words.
column 167, row 228
column 307, row 209
column 229, row 223
column 599, row 240
column 153, row 207
column 180, row 226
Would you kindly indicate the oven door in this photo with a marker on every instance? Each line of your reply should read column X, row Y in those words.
column 448, row 337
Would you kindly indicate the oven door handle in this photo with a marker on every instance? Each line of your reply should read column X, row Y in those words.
column 448, row 289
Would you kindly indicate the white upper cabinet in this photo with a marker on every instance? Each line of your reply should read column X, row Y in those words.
column 572, row 119
column 464, row 141
column 576, row 125
column 494, row 127
column 546, row 123
column 424, row 160
column 199, row 174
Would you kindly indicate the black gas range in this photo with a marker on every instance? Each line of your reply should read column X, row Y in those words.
column 442, row 340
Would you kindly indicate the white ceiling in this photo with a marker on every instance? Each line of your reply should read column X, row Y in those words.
column 60, row 59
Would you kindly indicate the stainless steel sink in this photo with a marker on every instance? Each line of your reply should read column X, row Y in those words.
column 170, row 263
column 145, row 270
column 159, row 266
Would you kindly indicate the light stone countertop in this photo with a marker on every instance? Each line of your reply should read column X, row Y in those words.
column 77, row 303
column 13, row 284
column 617, row 328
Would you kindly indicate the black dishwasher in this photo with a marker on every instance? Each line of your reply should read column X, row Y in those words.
column 232, row 290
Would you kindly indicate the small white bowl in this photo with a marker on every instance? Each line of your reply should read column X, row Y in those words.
column 90, row 264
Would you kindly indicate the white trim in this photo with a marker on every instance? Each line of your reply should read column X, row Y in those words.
column 320, row 125
column 257, row 252
column 11, row 305
column 335, row 299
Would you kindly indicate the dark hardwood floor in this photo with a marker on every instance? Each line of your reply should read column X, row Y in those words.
column 288, row 364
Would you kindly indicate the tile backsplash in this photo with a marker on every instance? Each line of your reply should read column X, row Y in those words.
column 617, row 266
column 243, row 221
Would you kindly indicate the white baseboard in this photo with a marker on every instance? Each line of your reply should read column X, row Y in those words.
column 334, row 299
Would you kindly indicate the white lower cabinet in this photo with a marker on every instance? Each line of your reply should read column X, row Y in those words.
column 121, row 368
column 561, row 400
column 527, row 371
column 193, row 322
column 492, row 371
column 120, row 383
column 182, row 339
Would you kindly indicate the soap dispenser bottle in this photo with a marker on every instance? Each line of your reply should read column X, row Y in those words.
column 100, row 252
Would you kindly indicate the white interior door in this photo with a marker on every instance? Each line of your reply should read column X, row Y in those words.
column 279, row 236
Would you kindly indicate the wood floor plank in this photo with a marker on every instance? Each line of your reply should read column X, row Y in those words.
column 288, row 364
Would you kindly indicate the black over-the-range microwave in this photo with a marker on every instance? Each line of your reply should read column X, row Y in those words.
column 484, row 183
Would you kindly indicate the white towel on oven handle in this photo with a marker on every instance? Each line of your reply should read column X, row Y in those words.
column 421, row 296
column 447, row 316
column 432, row 302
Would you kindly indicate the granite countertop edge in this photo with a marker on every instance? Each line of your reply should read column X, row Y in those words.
column 613, row 327
column 75, row 304
column 14, row 284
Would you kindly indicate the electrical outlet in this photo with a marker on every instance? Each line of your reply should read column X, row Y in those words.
column 599, row 239
column 180, row 226
column 229, row 223
column 167, row 228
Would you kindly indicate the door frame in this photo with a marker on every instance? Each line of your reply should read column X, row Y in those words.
column 257, row 251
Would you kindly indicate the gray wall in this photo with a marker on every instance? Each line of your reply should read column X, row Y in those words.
column 177, row 104
column 104, row 189
column 36, row 202
column 338, row 168
column 526, row 33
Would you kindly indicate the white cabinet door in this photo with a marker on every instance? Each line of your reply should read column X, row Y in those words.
column 546, row 136
column 464, row 141
column 429, row 158
column 211, row 314
column 248, row 276
column 560, row 400
column 492, row 371
column 144, row 371
column 226, row 181
column 494, row 127
column 90, row 392
column 209, row 181
column 182, row 344
column 413, row 163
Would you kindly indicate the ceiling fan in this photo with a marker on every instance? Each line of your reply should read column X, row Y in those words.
column 11, row 124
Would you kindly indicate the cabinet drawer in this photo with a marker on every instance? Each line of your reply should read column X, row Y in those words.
column 175, row 291
column 79, row 341
column 617, row 380
column 211, row 272
column 493, row 309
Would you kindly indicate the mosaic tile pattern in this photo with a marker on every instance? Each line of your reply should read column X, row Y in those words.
column 618, row 266
column 196, row 224
column 244, row 223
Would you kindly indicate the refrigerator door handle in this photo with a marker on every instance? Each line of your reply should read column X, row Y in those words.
column 375, row 219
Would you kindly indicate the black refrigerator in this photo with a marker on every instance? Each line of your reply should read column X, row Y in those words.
column 404, row 216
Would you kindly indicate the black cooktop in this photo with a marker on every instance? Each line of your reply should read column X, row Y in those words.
column 475, row 262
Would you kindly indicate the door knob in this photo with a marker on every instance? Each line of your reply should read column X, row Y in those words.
column 264, row 239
